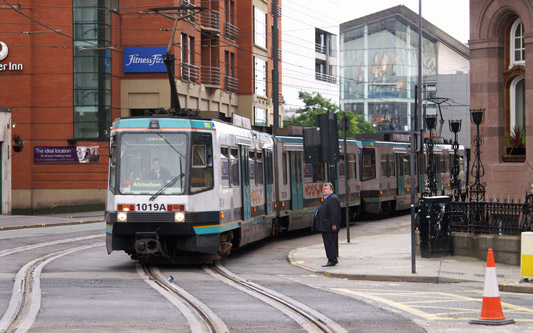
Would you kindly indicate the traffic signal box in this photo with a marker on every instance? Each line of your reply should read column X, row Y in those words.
column 321, row 145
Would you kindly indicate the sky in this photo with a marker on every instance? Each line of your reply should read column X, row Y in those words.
column 452, row 16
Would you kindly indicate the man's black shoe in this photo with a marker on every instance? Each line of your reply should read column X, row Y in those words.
column 330, row 263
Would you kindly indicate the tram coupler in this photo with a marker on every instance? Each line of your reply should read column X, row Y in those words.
column 147, row 243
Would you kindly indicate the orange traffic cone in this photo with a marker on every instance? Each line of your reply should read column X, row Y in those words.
column 491, row 309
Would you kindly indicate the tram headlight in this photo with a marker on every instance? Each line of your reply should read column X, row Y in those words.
column 122, row 217
column 179, row 216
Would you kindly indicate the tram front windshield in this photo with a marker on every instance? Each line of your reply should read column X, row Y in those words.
column 152, row 163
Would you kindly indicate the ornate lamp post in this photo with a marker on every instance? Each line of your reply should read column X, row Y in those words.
column 431, row 188
column 477, row 189
column 455, row 183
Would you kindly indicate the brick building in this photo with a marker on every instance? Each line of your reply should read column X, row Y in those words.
column 69, row 68
column 500, row 44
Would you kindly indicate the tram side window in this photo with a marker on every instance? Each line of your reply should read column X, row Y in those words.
column 112, row 166
column 269, row 177
column 224, row 162
column 234, row 159
column 341, row 167
column 391, row 165
column 351, row 166
column 406, row 165
column 259, row 168
column 285, row 173
column 251, row 161
column 201, row 173
column 368, row 164
column 319, row 173
column 384, row 166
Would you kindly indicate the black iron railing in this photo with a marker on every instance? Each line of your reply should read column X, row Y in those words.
column 500, row 218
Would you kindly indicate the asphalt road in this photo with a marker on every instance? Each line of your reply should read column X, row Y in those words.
column 87, row 290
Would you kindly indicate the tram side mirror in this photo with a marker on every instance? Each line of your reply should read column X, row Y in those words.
column 112, row 150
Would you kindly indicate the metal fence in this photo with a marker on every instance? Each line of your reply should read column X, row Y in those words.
column 501, row 218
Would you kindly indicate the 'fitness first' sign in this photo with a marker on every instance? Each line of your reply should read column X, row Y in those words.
column 144, row 60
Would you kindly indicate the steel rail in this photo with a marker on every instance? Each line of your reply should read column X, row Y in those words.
column 25, row 300
column 200, row 317
column 313, row 321
column 4, row 253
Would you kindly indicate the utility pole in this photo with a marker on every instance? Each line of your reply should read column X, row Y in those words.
column 275, row 72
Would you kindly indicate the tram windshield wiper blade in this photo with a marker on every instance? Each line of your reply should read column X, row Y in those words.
column 167, row 185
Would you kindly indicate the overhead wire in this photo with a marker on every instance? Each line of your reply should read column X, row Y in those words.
column 339, row 77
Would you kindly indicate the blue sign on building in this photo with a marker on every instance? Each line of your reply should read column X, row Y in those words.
column 144, row 60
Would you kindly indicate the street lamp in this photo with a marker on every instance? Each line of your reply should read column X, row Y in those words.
column 455, row 183
column 477, row 189
column 431, row 188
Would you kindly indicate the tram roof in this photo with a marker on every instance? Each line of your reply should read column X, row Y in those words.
column 163, row 123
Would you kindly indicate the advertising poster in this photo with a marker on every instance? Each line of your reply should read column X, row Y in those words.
column 78, row 154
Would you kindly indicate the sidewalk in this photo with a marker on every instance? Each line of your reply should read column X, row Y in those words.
column 12, row 222
column 381, row 251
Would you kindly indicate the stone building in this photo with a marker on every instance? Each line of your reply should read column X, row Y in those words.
column 501, row 41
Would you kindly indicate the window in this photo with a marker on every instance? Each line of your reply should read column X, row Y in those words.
column 92, row 69
column 251, row 163
column 514, row 83
column 351, row 166
column 259, row 168
column 234, row 158
column 225, row 168
column 260, row 76
column 518, row 103
column 285, row 173
column 319, row 173
column 260, row 116
column 229, row 9
column 518, row 49
column 259, row 27
column 369, row 164
column 229, row 63
column 202, row 163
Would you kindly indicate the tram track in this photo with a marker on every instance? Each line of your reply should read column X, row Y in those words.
column 307, row 318
column 25, row 300
column 200, row 317
column 7, row 252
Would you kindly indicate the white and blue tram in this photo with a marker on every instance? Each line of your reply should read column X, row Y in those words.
column 228, row 186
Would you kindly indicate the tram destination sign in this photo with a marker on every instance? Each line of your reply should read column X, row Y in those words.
column 78, row 154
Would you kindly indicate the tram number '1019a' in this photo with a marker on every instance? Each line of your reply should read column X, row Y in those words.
column 151, row 207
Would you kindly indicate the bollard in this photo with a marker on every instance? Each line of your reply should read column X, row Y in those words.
column 526, row 256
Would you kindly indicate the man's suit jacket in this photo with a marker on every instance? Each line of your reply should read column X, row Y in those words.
column 164, row 174
column 329, row 214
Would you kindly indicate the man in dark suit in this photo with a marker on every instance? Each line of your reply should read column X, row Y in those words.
column 159, row 172
column 328, row 222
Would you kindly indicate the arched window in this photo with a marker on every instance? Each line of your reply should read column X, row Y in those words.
column 517, row 49
column 515, row 88
column 517, row 103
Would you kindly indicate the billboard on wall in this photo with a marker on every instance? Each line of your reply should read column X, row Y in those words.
column 144, row 60
column 79, row 154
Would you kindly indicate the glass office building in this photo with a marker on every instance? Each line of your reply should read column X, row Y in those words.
column 379, row 65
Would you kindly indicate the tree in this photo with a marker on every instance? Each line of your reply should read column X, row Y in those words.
column 316, row 104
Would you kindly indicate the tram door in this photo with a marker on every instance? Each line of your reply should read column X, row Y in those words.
column 269, row 181
column 297, row 192
column 401, row 172
column 245, row 184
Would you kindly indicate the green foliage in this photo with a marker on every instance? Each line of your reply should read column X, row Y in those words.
column 316, row 104
column 19, row 141
column 516, row 139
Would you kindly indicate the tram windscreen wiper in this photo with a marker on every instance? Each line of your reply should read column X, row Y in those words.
column 167, row 185
column 171, row 146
